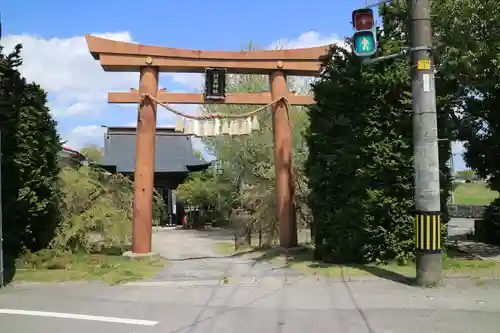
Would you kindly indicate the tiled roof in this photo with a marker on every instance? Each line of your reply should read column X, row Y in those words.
column 173, row 151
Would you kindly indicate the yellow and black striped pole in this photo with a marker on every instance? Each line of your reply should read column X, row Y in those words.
column 425, row 145
column 428, row 232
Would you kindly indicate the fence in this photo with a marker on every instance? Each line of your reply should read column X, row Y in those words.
column 466, row 211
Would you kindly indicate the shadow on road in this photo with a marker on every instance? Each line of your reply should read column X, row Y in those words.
column 387, row 274
column 302, row 259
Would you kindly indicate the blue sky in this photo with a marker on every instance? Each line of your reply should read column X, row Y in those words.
column 56, row 57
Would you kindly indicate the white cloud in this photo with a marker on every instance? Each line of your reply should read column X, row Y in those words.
column 192, row 80
column 83, row 135
column 306, row 40
column 198, row 145
column 165, row 115
column 457, row 147
column 76, row 83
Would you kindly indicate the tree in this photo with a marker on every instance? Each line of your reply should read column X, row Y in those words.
column 471, row 32
column 248, row 161
column 30, row 148
column 199, row 189
column 468, row 175
column 360, row 160
column 11, row 88
column 92, row 153
column 38, row 162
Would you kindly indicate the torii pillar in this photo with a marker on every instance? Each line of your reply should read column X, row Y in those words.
column 142, row 221
column 282, row 140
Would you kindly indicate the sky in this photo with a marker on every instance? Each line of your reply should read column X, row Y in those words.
column 56, row 56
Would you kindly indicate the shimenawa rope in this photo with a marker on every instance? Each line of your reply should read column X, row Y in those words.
column 215, row 115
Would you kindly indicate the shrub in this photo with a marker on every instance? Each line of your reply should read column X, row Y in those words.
column 97, row 210
column 490, row 225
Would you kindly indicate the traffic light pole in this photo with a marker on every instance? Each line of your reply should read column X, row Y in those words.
column 427, row 190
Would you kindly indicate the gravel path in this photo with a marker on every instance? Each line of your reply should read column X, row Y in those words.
column 192, row 257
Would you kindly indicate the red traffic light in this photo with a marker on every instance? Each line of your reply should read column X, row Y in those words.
column 363, row 19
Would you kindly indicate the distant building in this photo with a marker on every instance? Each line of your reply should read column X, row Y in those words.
column 70, row 157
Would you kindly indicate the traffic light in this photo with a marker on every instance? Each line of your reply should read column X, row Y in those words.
column 365, row 36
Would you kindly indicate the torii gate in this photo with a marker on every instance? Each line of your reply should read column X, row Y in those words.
column 150, row 60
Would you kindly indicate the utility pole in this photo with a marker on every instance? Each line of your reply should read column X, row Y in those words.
column 1, row 211
column 427, row 190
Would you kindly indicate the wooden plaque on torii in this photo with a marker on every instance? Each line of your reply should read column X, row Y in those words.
column 149, row 61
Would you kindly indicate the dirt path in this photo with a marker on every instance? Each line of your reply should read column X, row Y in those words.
column 179, row 244
column 192, row 256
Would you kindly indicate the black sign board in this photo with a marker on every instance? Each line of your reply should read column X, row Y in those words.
column 215, row 83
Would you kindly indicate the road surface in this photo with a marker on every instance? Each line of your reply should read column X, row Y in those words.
column 460, row 226
column 190, row 296
column 274, row 305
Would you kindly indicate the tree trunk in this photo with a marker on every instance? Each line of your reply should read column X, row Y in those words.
column 318, row 242
column 249, row 235
column 260, row 235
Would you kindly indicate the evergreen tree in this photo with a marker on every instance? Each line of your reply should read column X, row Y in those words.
column 30, row 148
column 11, row 89
column 360, row 161
column 37, row 161
column 470, row 31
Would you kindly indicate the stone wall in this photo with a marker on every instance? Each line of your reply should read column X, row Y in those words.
column 466, row 211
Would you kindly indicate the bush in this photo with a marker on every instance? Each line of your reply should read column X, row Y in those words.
column 97, row 210
column 490, row 225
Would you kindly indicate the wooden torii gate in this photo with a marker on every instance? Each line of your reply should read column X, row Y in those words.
column 149, row 61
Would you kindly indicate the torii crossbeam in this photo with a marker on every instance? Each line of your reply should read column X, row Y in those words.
column 149, row 61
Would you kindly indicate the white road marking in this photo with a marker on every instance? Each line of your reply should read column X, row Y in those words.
column 79, row 316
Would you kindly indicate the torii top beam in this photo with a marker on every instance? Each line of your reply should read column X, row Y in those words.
column 130, row 57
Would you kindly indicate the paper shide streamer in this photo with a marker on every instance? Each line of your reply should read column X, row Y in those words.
column 224, row 126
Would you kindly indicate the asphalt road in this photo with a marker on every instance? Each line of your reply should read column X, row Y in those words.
column 271, row 305
column 188, row 296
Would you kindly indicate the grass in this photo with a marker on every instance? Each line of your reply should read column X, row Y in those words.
column 455, row 264
column 474, row 194
column 227, row 249
column 109, row 267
